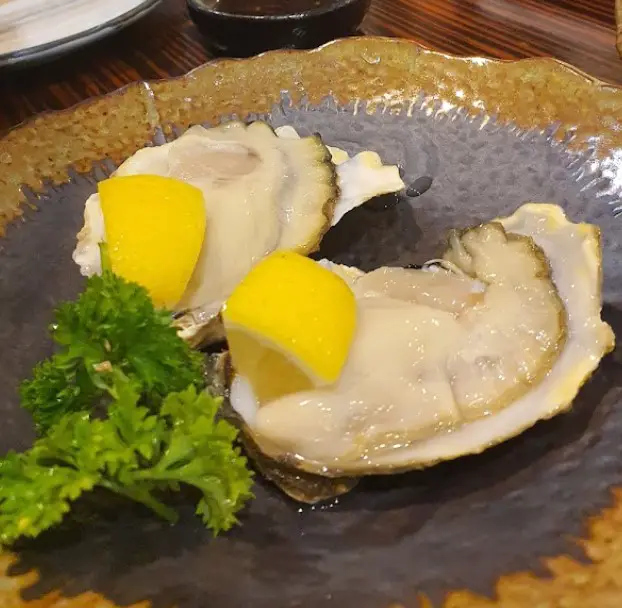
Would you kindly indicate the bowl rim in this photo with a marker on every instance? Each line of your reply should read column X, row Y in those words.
column 329, row 7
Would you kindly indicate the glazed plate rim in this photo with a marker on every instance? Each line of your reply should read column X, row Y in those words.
column 544, row 61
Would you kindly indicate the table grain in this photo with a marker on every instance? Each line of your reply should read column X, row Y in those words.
column 165, row 43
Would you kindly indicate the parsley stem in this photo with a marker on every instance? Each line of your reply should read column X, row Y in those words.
column 165, row 476
column 144, row 497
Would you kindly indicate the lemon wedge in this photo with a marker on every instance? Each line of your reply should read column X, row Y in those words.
column 289, row 325
column 155, row 228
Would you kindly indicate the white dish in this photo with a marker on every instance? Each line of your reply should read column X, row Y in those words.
column 34, row 30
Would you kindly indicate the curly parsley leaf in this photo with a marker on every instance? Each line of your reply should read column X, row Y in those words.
column 112, row 324
column 136, row 452
column 120, row 407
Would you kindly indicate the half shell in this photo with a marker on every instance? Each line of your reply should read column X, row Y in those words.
column 263, row 190
column 452, row 359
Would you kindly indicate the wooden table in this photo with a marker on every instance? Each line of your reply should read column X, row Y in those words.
column 166, row 43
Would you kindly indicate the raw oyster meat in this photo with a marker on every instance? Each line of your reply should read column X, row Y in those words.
column 449, row 360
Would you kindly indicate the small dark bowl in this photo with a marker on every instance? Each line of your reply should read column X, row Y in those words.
column 240, row 35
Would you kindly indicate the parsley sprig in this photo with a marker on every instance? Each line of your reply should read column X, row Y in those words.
column 121, row 407
column 112, row 324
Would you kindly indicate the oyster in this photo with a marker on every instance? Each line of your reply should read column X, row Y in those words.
column 449, row 360
column 262, row 192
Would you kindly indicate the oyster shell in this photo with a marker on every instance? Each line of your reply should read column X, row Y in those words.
column 301, row 486
column 452, row 359
column 360, row 178
column 263, row 191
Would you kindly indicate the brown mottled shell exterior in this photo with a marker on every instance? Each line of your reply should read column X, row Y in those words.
column 381, row 73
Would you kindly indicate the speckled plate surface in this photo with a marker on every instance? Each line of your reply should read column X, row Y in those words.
column 503, row 525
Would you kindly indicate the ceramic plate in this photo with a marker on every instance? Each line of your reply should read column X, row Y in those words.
column 535, row 521
column 35, row 30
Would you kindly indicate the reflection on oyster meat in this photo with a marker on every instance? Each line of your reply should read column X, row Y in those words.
column 453, row 358
column 262, row 192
